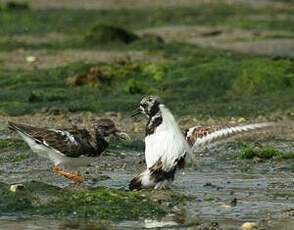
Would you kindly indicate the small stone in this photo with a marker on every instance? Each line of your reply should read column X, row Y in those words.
column 17, row 188
column 234, row 202
column 226, row 206
column 249, row 226
column 30, row 59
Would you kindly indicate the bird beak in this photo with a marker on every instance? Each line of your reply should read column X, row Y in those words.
column 122, row 135
column 136, row 112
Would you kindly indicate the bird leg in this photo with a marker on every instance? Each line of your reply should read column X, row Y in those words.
column 76, row 178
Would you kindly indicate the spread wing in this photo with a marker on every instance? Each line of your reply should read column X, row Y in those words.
column 167, row 143
column 71, row 143
column 200, row 136
column 195, row 133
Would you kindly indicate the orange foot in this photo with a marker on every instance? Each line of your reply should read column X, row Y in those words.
column 76, row 178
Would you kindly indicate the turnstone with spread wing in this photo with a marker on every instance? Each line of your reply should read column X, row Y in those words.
column 165, row 146
column 71, row 147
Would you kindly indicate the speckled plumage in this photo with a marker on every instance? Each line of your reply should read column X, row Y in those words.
column 74, row 147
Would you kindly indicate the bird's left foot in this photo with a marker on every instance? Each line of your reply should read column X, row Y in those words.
column 73, row 177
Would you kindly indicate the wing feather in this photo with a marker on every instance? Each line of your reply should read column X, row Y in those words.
column 72, row 142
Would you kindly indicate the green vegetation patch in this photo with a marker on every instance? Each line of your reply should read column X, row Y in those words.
column 103, row 34
column 80, row 21
column 259, row 76
column 103, row 204
column 99, row 203
column 126, row 75
column 264, row 154
column 12, row 144
column 195, row 81
column 41, row 96
column 15, row 6
column 13, row 158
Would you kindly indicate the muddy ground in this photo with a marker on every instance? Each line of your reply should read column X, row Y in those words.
column 219, row 193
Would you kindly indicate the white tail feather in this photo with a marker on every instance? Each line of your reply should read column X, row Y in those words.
column 227, row 132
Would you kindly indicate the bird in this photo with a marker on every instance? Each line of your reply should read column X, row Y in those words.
column 166, row 146
column 72, row 147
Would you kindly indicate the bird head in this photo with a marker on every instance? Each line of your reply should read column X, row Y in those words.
column 149, row 106
column 106, row 127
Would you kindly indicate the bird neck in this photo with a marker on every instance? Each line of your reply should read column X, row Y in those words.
column 154, row 121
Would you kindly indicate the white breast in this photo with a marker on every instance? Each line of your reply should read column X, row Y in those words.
column 167, row 142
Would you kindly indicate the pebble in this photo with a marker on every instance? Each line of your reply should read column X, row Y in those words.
column 226, row 206
column 17, row 188
column 30, row 59
column 234, row 202
column 249, row 226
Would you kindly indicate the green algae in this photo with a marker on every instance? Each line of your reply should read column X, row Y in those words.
column 198, row 81
column 100, row 203
column 13, row 158
column 80, row 21
column 12, row 144
column 103, row 204
column 211, row 77
column 264, row 153
column 259, row 76
column 103, row 34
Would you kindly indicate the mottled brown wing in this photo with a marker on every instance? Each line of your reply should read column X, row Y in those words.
column 194, row 133
column 72, row 142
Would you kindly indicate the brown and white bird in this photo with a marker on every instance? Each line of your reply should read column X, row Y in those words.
column 69, row 147
column 166, row 146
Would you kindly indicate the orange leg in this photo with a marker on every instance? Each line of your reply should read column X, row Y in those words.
column 76, row 178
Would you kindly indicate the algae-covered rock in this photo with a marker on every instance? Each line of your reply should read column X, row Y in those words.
column 103, row 203
column 100, row 203
column 264, row 153
column 101, row 34
column 15, row 5
column 14, row 203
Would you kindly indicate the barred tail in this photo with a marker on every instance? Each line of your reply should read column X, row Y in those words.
column 12, row 126
column 222, row 134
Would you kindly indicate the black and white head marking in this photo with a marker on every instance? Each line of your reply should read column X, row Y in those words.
column 149, row 106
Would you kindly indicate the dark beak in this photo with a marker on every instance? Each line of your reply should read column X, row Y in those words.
column 136, row 112
column 121, row 135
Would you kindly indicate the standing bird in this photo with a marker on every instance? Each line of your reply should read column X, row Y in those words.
column 166, row 146
column 72, row 147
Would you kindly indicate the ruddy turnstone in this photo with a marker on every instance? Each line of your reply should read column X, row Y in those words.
column 69, row 147
column 166, row 146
